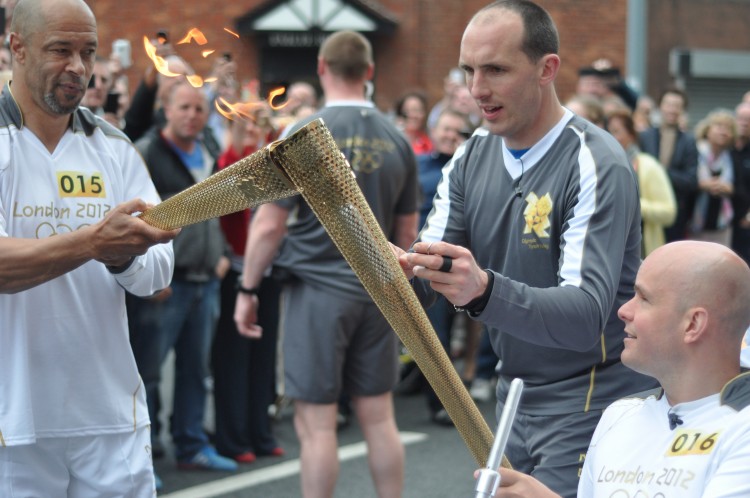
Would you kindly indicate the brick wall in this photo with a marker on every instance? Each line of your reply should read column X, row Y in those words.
column 706, row 24
column 417, row 55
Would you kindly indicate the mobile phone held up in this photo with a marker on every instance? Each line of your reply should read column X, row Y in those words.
column 122, row 50
column 112, row 104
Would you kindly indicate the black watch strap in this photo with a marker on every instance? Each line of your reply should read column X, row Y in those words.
column 116, row 270
column 247, row 290
column 475, row 307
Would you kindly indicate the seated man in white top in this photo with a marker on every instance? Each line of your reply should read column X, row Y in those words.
column 691, row 438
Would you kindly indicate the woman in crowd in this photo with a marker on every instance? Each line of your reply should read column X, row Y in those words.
column 718, row 179
column 658, row 205
column 411, row 117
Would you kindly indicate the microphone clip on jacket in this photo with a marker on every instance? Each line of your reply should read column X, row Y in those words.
column 674, row 420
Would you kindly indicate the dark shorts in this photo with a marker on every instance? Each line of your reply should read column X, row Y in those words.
column 552, row 447
column 333, row 344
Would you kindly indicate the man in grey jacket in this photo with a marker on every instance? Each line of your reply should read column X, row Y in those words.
column 535, row 231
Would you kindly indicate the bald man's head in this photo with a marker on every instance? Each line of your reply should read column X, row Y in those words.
column 708, row 275
column 54, row 46
column 32, row 16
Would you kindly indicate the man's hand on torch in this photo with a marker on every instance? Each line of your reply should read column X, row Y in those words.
column 451, row 270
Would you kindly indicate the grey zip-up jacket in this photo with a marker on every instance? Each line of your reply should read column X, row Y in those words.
column 560, row 230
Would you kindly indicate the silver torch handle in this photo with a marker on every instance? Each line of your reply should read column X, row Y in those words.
column 489, row 478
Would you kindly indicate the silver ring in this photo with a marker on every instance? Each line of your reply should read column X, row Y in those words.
column 428, row 247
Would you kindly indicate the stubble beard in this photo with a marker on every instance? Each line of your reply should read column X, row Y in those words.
column 58, row 107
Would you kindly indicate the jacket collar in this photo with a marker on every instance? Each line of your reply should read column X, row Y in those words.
column 82, row 120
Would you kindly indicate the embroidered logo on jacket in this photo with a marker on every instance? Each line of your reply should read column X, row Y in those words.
column 537, row 214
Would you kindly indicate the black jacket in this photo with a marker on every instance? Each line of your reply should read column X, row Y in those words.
column 683, row 166
column 198, row 247
column 683, row 174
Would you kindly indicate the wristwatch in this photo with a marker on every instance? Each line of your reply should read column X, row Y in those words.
column 247, row 290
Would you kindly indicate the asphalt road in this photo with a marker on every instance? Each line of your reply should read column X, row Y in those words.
column 438, row 464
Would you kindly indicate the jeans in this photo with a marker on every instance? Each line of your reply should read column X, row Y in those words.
column 186, row 322
column 441, row 315
column 486, row 358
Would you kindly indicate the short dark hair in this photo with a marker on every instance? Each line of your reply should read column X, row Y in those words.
column 626, row 118
column 468, row 127
column 540, row 33
column 675, row 91
column 417, row 94
column 348, row 54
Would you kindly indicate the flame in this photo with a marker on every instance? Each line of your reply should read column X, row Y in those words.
column 275, row 93
column 231, row 32
column 160, row 64
column 239, row 110
column 194, row 80
column 211, row 79
column 194, row 34
column 206, row 53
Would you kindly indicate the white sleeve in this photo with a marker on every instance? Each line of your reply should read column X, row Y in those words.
column 152, row 271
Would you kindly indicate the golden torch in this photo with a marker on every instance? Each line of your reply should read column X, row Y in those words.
column 309, row 162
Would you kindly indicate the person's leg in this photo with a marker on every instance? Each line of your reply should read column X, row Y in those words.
column 111, row 466
column 102, row 466
column 316, row 429
column 441, row 317
column 192, row 352
column 385, row 452
column 370, row 374
column 262, row 371
column 516, row 450
column 483, row 387
column 559, row 444
column 233, row 381
column 191, row 366
column 471, row 349
column 36, row 469
column 486, row 357
column 314, row 343
column 551, row 448
column 150, row 343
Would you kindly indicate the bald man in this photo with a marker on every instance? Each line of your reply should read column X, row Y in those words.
column 73, row 417
column 691, row 438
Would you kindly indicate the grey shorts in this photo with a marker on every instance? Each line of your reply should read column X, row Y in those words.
column 333, row 344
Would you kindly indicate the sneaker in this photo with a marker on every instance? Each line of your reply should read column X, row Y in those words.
column 482, row 389
column 207, row 459
column 276, row 451
column 245, row 457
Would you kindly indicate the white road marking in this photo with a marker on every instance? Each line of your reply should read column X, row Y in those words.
column 279, row 471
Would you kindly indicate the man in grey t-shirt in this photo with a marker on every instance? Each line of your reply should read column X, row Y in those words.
column 335, row 338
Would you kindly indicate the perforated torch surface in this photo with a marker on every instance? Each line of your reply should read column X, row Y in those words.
column 249, row 182
column 315, row 167
column 313, row 162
